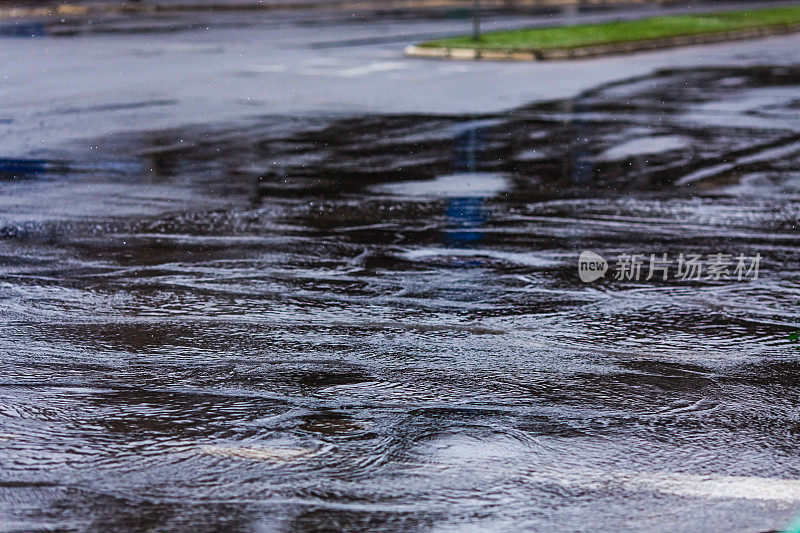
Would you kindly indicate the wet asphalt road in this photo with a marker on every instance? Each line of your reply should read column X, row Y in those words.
column 120, row 75
column 256, row 317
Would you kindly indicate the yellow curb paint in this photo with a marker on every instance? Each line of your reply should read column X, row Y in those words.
column 69, row 9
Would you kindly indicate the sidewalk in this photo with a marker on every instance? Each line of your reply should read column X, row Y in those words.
column 17, row 9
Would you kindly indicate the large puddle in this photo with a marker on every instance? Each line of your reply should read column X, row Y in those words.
column 377, row 322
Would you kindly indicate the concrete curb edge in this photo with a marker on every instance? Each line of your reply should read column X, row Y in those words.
column 560, row 54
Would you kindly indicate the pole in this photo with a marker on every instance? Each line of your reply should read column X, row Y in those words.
column 476, row 20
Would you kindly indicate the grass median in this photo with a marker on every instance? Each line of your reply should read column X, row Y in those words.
column 642, row 30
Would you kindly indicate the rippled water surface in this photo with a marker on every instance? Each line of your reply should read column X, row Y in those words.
column 376, row 322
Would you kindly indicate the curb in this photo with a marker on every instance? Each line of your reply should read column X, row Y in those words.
column 560, row 54
column 44, row 11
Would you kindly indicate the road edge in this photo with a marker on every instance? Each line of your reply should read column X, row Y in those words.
column 560, row 54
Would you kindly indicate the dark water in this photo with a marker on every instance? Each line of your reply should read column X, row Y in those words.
column 376, row 322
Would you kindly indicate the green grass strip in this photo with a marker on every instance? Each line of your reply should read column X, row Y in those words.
column 626, row 31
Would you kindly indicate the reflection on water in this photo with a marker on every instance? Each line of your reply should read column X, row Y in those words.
column 24, row 29
column 16, row 168
column 377, row 323
column 466, row 217
column 465, row 209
